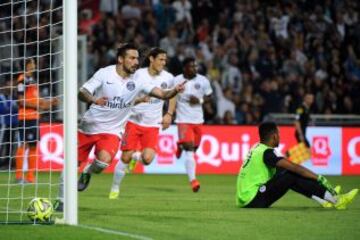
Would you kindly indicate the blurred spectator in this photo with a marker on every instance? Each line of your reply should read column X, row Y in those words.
column 86, row 21
column 225, row 103
column 8, row 123
column 232, row 75
column 6, row 51
column 183, row 9
column 131, row 10
column 228, row 118
column 170, row 42
column 109, row 6
column 165, row 15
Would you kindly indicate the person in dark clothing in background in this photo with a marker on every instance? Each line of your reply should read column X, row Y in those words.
column 8, row 124
column 303, row 118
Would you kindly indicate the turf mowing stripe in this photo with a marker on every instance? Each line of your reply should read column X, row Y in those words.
column 104, row 230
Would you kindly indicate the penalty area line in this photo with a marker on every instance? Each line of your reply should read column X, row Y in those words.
column 115, row 232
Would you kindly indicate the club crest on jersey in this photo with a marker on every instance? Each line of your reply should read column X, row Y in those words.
column 130, row 86
column 197, row 86
column 163, row 85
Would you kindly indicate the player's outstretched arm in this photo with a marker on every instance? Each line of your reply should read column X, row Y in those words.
column 30, row 103
column 167, row 94
column 85, row 96
column 143, row 99
column 46, row 104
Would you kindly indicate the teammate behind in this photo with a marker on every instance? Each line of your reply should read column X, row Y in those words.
column 265, row 177
column 142, row 128
column 189, row 116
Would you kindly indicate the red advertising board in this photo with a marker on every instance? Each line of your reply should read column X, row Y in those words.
column 223, row 148
column 51, row 147
column 351, row 151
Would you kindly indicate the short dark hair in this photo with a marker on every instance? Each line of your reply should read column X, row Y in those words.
column 187, row 60
column 27, row 62
column 121, row 51
column 153, row 52
column 156, row 51
column 266, row 129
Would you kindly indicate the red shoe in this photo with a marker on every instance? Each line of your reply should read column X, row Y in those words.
column 195, row 185
column 29, row 180
column 178, row 150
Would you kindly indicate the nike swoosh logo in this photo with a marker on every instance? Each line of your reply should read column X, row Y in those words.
column 109, row 83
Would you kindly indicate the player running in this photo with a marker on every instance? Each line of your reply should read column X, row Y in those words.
column 112, row 92
column 189, row 115
column 142, row 128
column 265, row 177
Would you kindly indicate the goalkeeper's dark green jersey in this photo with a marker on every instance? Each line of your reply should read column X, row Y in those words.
column 253, row 174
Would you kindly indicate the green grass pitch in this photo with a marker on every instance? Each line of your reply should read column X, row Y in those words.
column 163, row 207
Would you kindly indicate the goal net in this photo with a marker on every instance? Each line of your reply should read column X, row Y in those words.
column 32, row 104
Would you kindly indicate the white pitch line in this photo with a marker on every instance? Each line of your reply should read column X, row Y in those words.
column 110, row 231
column 104, row 230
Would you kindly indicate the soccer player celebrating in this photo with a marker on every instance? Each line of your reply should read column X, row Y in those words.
column 142, row 128
column 30, row 103
column 265, row 177
column 116, row 90
column 189, row 115
column 112, row 92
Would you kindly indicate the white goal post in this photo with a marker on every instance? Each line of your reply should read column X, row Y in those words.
column 70, row 111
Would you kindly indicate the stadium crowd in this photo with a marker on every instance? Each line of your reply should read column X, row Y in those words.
column 261, row 56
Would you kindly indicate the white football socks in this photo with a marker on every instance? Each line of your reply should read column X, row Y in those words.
column 136, row 156
column 319, row 200
column 329, row 197
column 119, row 174
column 97, row 166
column 190, row 164
column 61, row 187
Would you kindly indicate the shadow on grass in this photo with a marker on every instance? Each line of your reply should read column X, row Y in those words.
column 289, row 209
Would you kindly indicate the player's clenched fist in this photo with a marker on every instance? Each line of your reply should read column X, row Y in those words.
column 180, row 87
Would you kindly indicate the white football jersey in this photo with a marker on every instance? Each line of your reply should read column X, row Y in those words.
column 199, row 87
column 149, row 114
column 121, row 94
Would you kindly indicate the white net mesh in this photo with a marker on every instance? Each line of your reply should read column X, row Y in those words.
column 31, row 66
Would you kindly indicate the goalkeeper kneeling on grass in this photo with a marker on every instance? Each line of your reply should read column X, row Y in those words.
column 265, row 177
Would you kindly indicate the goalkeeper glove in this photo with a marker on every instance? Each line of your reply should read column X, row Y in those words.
column 326, row 184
